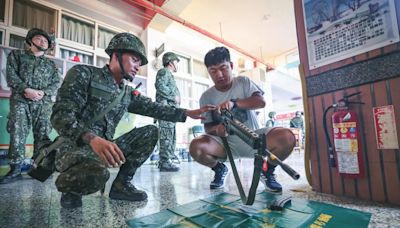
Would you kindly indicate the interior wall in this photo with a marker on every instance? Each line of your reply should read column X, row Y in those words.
column 376, row 74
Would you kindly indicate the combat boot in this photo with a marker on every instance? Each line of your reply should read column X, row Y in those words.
column 13, row 175
column 126, row 191
column 123, row 189
column 168, row 166
column 70, row 200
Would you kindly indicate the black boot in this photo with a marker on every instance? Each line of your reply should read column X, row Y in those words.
column 71, row 200
column 168, row 166
column 126, row 191
column 123, row 189
column 13, row 175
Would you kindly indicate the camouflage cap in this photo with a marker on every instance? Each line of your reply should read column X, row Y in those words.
column 169, row 57
column 34, row 32
column 126, row 42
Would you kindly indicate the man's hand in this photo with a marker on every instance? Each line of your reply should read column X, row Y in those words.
column 228, row 105
column 196, row 113
column 33, row 94
column 108, row 151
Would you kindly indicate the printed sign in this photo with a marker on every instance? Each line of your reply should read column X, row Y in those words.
column 346, row 147
column 339, row 29
column 385, row 127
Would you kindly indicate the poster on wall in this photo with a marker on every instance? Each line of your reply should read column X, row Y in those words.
column 385, row 127
column 339, row 29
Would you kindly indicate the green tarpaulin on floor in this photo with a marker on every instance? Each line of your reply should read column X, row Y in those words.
column 227, row 210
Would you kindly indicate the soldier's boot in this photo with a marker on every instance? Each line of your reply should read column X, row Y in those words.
column 168, row 166
column 13, row 175
column 71, row 200
column 123, row 189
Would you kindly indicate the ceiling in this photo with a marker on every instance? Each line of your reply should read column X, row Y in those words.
column 262, row 29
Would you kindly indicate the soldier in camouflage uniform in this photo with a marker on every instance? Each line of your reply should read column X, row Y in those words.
column 34, row 81
column 271, row 121
column 86, row 91
column 167, row 94
column 297, row 121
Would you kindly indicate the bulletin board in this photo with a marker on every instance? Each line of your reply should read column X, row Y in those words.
column 339, row 29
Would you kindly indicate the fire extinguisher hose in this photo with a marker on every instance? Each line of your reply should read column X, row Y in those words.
column 331, row 156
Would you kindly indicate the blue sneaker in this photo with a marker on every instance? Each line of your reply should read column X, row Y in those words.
column 268, row 178
column 220, row 173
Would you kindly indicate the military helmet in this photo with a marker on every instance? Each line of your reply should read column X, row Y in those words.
column 36, row 31
column 169, row 57
column 126, row 42
column 271, row 114
column 299, row 113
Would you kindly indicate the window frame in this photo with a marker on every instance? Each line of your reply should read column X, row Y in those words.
column 6, row 13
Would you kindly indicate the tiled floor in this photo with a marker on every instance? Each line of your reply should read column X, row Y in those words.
column 29, row 203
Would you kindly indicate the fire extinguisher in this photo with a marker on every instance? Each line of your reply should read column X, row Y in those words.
column 345, row 153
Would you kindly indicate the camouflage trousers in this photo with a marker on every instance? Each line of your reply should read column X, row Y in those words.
column 167, row 140
column 21, row 118
column 82, row 171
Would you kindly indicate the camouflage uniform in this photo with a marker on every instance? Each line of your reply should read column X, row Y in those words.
column 86, row 92
column 297, row 121
column 167, row 94
column 25, row 70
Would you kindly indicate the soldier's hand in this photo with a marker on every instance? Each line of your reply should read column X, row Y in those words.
column 196, row 113
column 30, row 93
column 108, row 151
column 33, row 94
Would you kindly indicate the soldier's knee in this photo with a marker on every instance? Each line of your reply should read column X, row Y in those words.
column 84, row 178
column 153, row 130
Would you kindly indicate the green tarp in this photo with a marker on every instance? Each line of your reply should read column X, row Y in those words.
column 227, row 210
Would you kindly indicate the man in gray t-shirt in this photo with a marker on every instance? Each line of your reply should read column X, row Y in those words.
column 242, row 97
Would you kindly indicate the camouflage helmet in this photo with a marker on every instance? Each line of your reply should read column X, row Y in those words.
column 271, row 114
column 34, row 32
column 298, row 113
column 169, row 57
column 126, row 42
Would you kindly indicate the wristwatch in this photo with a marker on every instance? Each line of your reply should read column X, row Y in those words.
column 234, row 103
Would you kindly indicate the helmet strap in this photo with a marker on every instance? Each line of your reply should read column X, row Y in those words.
column 121, row 66
column 38, row 47
column 173, row 64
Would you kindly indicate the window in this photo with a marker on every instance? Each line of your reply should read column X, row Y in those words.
column 27, row 14
column 2, row 10
column 184, row 87
column 1, row 37
column 3, row 62
column 103, row 38
column 184, row 65
column 76, row 56
column 199, row 89
column 100, row 61
column 76, row 30
column 60, row 65
column 199, row 69
column 17, row 41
